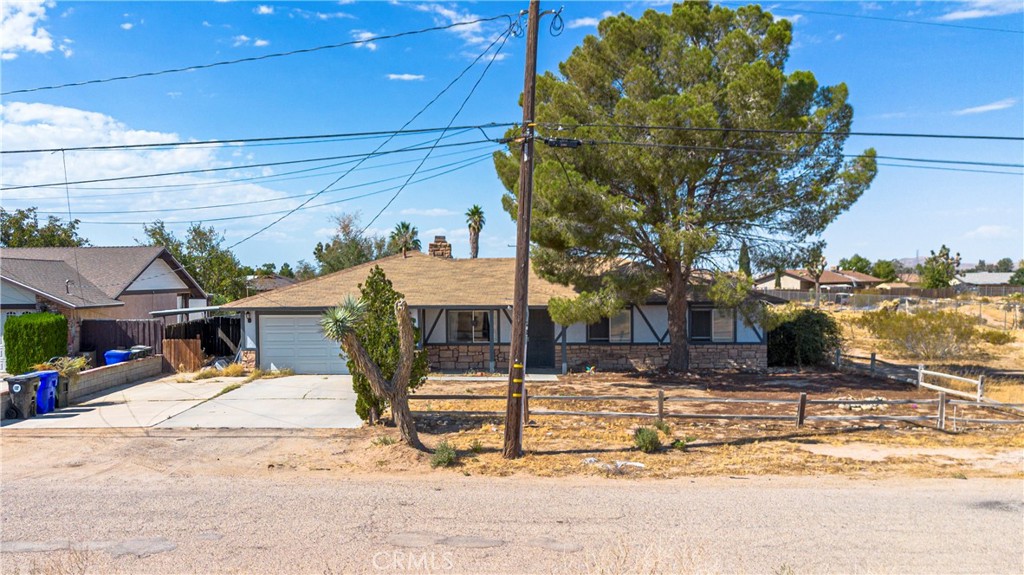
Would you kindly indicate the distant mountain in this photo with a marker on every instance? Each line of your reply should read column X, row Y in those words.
column 912, row 263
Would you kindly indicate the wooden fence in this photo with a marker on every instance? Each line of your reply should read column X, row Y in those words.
column 799, row 416
column 103, row 335
column 219, row 335
column 184, row 355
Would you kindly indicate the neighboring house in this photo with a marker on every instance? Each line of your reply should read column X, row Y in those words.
column 261, row 283
column 93, row 283
column 463, row 309
column 976, row 279
column 830, row 280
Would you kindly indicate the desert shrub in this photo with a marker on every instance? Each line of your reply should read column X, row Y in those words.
column 444, row 455
column 924, row 334
column 801, row 336
column 476, row 446
column 662, row 426
column 34, row 338
column 646, row 439
column 384, row 440
column 996, row 337
column 379, row 335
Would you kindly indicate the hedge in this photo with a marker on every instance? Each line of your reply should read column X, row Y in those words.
column 801, row 336
column 34, row 338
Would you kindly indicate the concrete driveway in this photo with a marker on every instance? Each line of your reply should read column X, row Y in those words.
column 300, row 401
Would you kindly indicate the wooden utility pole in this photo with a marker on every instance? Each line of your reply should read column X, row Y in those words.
column 517, row 350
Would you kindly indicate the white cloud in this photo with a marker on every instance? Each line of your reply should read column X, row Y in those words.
column 364, row 35
column 65, row 47
column 583, row 23
column 472, row 34
column 21, row 28
column 264, row 10
column 206, row 24
column 260, row 42
column 991, row 232
column 428, row 213
column 406, row 77
column 994, row 106
column 839, row 37
column 983, row 9
column 322, row 16
column 127, row 26
column 240, row 40
column 174, row 94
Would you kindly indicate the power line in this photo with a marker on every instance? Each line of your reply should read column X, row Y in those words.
column 560, row 142
column 270, row 200
column 318, row 138
column 464, row 71
column 504, row 38
column 767, row 131
column 375, row 153
column 263, row 57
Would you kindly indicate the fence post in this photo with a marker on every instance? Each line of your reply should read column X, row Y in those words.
column 661, row 405
column 920, row 375
column 526, row 406
column 839, row 358
column 872, row 362
column 981, row 387
column 941, row 423
column 801, row 410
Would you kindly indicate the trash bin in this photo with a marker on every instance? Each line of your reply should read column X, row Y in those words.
column 46, row 396
column 23, row 389
column 63, row 391
column 116, row 356
column 139, row 351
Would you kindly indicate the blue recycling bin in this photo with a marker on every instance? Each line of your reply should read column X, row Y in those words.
column 46, row 397
column 116, row 356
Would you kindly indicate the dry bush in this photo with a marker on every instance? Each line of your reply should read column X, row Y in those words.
column 925, row 334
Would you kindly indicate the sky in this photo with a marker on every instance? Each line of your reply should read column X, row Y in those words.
column 911, row 67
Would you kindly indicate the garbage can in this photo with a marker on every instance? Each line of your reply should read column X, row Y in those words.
column 46, row 396
column 63, row 391
column 23, row 389
column 139, row 351
column 116, row 356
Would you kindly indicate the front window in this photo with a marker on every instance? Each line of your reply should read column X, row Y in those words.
column 469, row 326
column 616, row 329
column 717, row 325
column 700, row 324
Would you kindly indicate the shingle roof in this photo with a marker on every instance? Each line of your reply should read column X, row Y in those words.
column 829, row 277
column 55, row 280
column 111, row 269
column 985, row 278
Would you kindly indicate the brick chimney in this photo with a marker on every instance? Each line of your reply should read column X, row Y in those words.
column 440, row 248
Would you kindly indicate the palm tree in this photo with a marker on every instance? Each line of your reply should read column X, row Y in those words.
column 403, row 238
column 339, row 324
column 475, row 219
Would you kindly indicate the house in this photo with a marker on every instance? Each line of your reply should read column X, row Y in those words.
column 266, row 282
column 93, row 283
column 976, row 279
column 463, row 310
column 830, row 280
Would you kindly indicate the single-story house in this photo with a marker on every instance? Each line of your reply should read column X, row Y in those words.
column 975, row 279
column 93, row 283
column 463, row 310
column 830, row 280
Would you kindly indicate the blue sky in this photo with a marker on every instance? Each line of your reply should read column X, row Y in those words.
column 903, row 77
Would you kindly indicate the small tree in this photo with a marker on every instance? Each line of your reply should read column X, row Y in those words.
column 379, row 335
column 21, row 229
column 475, row 220
column 884, row 270
column 404, row 238
column 1017, row 278
column 744, row 262
column 856, row 263
column 815, row 264
column 939, row 269
column 1004, row 265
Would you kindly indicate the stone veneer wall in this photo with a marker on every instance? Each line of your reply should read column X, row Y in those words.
column 625, row 357
column 249, row 358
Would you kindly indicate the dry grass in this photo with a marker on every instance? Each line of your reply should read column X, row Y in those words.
column 262, row 374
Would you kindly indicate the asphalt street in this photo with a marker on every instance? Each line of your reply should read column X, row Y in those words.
column 447, row 523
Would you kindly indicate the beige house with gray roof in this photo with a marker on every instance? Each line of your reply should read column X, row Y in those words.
column 463, row 310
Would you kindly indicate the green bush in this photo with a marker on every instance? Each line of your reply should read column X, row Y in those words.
column 34, row 338
column 646, row 439
column 801, row 336
column 379, row 335
column 996, row 337
column 924, row 334
column 444, row 455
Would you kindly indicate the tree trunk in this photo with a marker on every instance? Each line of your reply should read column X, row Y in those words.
column 395, row 391
column 679, row 352
column 474, row 243
column 817, row 294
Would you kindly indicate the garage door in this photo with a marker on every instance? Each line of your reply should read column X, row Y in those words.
column 296, row 342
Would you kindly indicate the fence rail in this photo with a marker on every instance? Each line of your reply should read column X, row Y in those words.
column 799, row 417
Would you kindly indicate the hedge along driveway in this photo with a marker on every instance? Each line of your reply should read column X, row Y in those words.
column 33, row 338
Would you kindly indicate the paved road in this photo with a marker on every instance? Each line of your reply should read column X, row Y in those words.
column 447, row 523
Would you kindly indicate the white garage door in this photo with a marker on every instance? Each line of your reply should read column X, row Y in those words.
column 295, row 341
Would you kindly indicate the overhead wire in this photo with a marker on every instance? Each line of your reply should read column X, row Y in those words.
column 262, row 57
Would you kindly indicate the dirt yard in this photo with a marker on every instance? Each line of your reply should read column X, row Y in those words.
column 568, row 446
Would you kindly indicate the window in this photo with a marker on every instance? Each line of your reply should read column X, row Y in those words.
column 616, row 329
column 469, row 326
column 700, row 324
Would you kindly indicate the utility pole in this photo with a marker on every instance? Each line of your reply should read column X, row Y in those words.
column 514, row 419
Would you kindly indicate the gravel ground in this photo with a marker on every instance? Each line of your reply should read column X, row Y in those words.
column 445, row 523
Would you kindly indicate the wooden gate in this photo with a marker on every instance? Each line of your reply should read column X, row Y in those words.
column 219, row 335
column 183, row 355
